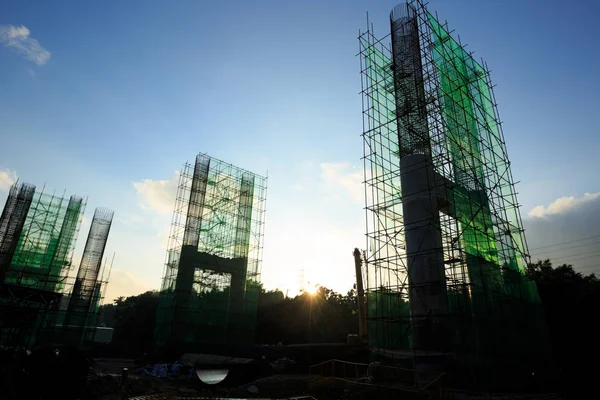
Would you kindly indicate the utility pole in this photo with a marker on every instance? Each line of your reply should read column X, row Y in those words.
column 362, row 313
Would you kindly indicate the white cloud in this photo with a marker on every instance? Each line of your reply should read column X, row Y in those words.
column 7, row 178
column 566, row 232
column 18, row 38
column 130, row 219
column 537, row 212
column 562, row 205
column 308, row 220
column 344, row 176
column 158, row 195
column 163, row 237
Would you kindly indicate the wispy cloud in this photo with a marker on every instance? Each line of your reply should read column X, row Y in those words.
column 130, row 219
column 566, row 232
column 18, row 38
column 7, row 178
column 343, row 176
column 324, row 214
column 157, row 195
column 562, row 205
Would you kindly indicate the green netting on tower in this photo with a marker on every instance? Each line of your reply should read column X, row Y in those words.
column 387, row 309
column 388, row 319
column 211, row 284
column 419, row 79
column 484, row 195
column 45, row 247
column 38, row 267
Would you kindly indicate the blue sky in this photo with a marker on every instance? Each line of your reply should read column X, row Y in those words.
column 130, row 90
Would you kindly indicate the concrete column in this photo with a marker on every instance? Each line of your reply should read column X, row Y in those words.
column 424, row 253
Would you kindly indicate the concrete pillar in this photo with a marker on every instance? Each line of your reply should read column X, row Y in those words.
column 424, row 253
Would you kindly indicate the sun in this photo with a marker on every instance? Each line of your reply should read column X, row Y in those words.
column 311, row 290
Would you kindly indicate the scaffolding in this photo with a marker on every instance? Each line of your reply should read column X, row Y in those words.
column 211, row 283
column 12, row 221
column 39, row 260
column 39, row 296
column 446, row 251
column 79, row 324
column 45, row 248
column 75, row 319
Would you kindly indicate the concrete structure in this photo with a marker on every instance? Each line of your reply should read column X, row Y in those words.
column 211, row 283
column 446, row 253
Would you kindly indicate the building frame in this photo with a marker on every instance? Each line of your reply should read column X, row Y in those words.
column 432, row 138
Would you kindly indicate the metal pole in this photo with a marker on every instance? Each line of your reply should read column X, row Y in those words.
column 362, row 315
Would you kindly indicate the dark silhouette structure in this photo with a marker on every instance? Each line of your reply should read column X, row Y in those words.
column 446, row 253
column 37, row 238
column 211, row 283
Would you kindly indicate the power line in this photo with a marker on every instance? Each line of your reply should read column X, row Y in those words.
column 572, row 247
column 588, row 267
column 575, row 257
column 559, row 244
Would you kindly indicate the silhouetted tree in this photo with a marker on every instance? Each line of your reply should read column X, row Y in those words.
column 570, row 301
column 134, row 322
column 107, row 315
column 321, row 317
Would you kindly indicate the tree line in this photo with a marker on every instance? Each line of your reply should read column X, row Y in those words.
column 322, row 317
column 571, row 302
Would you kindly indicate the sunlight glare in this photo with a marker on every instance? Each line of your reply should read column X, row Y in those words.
column 312, row 290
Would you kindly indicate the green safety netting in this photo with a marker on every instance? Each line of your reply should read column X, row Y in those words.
column 210, row 288
column 490, row 301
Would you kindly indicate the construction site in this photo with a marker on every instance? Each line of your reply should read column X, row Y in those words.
column 443, row 307
column 44, row 298
column 445, row 252
column 211, row 283
column 441, row 281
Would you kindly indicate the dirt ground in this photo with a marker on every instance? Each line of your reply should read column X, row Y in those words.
column 109, row 387
column 106, row 383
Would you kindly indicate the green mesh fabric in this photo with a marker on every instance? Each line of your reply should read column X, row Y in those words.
column 388, row 320
column 46, row 243
column 209, row 295
column 41, row 263
column 387, row 311
column 490, row 301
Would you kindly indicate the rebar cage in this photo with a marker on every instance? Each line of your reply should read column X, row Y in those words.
column 38, row 232
column 433, row 99
column 211, row 280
